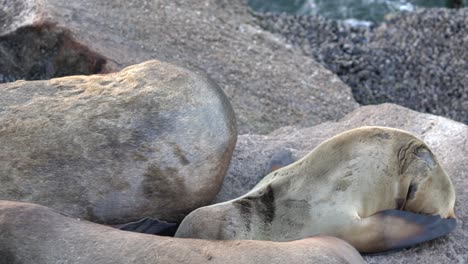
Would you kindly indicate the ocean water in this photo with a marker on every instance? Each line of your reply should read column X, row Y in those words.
column 358, row 10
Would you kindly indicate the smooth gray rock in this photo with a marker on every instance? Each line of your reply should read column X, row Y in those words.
column 153, row 140
column 269, row 84
column 446, row 138
column 33, row 234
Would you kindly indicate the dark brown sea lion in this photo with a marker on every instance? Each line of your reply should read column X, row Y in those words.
column 34, row 234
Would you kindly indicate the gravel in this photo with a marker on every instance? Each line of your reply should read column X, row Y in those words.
column 418, row 59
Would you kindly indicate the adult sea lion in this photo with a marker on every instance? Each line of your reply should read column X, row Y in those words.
column 378, row 188
column 34, row 234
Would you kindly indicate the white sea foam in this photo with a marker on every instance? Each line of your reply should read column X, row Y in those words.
column 357, row 23
column 406, row 7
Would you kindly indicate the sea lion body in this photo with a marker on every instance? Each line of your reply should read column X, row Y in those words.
column 34, row 234
column 341, row 189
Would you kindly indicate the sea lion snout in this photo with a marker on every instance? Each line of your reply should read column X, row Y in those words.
column 430, row 190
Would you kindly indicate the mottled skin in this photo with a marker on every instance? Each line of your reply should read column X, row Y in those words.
column 34, row 234
column 345, row 188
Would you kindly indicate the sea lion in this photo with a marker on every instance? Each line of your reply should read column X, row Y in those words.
column 378, row 188
column 152, row 140
column 34, row 234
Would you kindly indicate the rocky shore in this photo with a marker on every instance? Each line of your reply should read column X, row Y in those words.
column 415, row 59
column 268, row 83
column 172, row 86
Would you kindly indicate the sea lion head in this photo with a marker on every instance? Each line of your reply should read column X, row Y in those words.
column 430, row 190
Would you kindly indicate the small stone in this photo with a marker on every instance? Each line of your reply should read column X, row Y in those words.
column 426, row 43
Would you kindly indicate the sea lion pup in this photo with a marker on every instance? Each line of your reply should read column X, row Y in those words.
column 34, row 234
column 380, row 189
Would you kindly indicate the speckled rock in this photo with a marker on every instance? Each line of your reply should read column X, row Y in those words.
column 34, row 48
column 448, row 140
column 33, row 234
column 418, row 59
column 152, row 140
column 269, row 84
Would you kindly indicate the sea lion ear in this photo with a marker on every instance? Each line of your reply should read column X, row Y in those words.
column 426, row 155
column 150, row 226
column 415, row 151
column 396, row 229
column 406, row 155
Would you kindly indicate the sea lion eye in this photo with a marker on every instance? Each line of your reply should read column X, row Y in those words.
column 411, row 191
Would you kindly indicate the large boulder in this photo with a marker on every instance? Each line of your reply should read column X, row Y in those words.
column 33, row 234
column 446, row 138
column 152, row 140
column 269, row 84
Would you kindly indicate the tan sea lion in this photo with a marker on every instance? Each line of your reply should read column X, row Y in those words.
column 378, row 188
column 34, row 234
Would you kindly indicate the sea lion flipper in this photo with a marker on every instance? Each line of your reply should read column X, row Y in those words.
column 396, row 229
column 150, row 226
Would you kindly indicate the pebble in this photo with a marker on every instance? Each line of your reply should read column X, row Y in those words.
column 414, row 59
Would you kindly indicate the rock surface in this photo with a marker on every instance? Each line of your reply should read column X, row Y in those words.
column 269, row 84
column 33, row 234
column 152, row 140
column 446, row 138
column 418, row 59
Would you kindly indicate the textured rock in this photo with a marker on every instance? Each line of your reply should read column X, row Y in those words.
column 33, row 234
column 448, row 140
column 418, row 59
column 269, row 84
column 33, row 48
column 152, row 140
